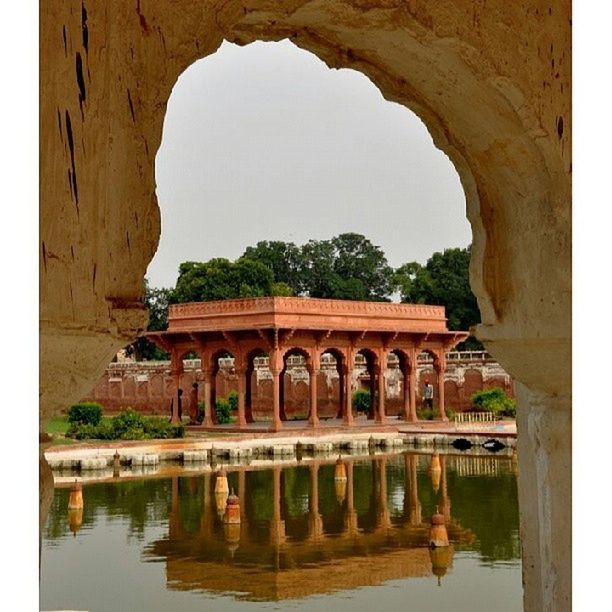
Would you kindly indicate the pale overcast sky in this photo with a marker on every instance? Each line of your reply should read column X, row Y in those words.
column 265, row 142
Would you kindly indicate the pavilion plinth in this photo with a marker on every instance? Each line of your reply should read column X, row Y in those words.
column 282, row 326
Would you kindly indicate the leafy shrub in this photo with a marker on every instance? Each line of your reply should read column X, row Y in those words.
column 426, row 414
column 160, row 428
column 361, row 400
column 133, row 433
column 232, row 400
column 494, row 400
column 85, row 413
column 223, row 411
column 127, row 421
column 127, row 425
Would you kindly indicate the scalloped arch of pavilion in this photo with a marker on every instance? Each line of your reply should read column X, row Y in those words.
column 284, row 326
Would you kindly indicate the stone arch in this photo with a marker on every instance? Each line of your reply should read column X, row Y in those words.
column 291, row 402
column 331, row 394
column 255, row 390
column 395, row 382
column 511, row 145
column 374, row 370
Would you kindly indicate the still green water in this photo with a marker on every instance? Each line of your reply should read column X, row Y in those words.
column 307, row 541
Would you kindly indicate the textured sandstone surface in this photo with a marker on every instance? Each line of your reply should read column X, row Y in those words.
column 491, row 80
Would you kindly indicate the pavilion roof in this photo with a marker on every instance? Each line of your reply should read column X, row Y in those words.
column 305, row 313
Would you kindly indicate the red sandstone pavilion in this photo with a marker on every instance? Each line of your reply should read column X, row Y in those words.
column 280, row 327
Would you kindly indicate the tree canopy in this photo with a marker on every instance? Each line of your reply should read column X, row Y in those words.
column 443, row 280
column 156, row 300
column 347, row 266
column 283, row 258
column 221, row 279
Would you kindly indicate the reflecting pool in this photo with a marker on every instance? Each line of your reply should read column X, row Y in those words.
column 320, row 534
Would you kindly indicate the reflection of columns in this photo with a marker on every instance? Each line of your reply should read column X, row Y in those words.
column 313, row 372
column 412, row 489
column 445, row 507
column 207, row 375
column 383, row 519
column 277, row 528
column 174, row 520
column 440, row 365
column 350, row 521
column 207, row 519
column 241, row 375
column 380, row 413
column 242, row 497
column 315, row 521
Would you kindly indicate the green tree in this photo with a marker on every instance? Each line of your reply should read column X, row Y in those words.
column 283, row 258
column 317, row 269
column 363, row 267
column 346, row 267
column 156, row 300
column 444, row 280
column 221, row 279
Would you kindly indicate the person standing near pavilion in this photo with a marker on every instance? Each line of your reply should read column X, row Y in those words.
column 193, row 404
column 428, row 395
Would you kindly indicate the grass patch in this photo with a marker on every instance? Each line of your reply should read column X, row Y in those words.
column 60, row 424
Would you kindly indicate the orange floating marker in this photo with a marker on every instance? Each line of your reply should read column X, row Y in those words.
column 438, row 536
column 232, row 510
column 76, row 496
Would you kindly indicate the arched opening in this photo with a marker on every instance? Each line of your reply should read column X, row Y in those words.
column 511, row 146
column 256, row 361
column 333, row 402
column 222, row 365
column 294, row 390
column 370, row 378
column 428, row 384
column 401, row 370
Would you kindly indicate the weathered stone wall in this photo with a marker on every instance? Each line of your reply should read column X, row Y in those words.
column 492, row 82
column 148, row 386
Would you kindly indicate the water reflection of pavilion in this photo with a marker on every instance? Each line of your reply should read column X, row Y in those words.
column 295, row 556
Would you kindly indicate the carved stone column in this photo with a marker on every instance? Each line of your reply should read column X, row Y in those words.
column 348, row 389
column 176, row 369
column 207, row 375
column 412, row 365
column 313, row 372
column 440, row 366
column 241, row 374
column 276, row 369
column 380, row 412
